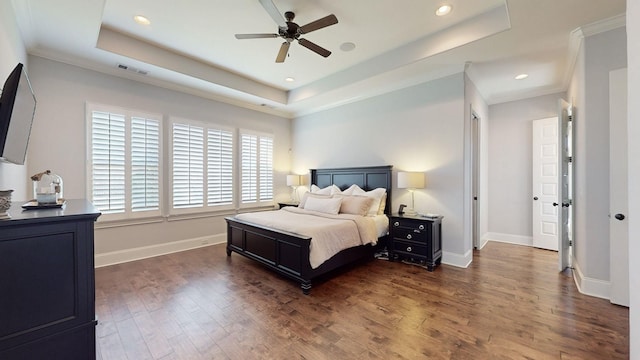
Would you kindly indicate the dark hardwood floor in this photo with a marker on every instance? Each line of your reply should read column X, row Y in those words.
column 511, row 303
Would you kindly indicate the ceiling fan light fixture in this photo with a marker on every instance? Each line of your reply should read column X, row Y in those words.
column 142, row 20
column 443, row 10
column 521, row 76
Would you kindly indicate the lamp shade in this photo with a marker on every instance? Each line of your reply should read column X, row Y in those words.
column 410, row 180
column 293, row 180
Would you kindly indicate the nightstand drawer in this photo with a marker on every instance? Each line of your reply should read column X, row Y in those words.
column 410, row 234
column 410, row 224
column 410, row 247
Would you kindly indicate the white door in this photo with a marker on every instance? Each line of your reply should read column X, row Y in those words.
column 565, row 179
column 618, row 182
column 545, row 183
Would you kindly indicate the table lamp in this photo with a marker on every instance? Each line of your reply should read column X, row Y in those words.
column 411, row 181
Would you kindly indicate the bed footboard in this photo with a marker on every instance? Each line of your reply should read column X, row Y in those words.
column 286, row 253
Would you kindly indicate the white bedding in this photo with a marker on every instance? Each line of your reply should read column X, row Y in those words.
column 329, row 233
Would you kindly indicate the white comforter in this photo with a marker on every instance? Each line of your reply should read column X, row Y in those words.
column 329, row 233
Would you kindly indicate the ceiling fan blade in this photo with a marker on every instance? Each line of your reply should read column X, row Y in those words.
column 282, row 54
column 318, row 24
column 255, row 36
column 273, row 11
column 314, row 47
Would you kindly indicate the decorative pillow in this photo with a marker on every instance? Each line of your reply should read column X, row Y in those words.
column 355, row 204
column 383, row 204
column 328, row 205
column 376, row 194
column 329, row 190
column 307, row 195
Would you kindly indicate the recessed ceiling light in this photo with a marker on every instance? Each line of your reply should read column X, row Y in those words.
column 289, row 79
column 443, row 10
column 347, row 46
column 142, row 20
column 522, row 76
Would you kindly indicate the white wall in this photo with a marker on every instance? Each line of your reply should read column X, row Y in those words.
column 12, row 51
column 58, row 140
column 510, row 165
column 589, row 93
column 420, row 128
column 633, row 52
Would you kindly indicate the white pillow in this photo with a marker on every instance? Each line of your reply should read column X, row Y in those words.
column 355, row 204
column 376, row 194
column 307, row 195
column 328, row 205
column 329, row 190
column 351, row 189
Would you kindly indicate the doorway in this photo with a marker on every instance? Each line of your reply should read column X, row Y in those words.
column 475, row 180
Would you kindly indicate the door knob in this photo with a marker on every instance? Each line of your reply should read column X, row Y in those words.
column 565, row 204
column 535, row 198
column 555, row 204
column 619, row 216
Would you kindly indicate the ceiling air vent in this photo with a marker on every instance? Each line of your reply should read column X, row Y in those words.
column 132, row 69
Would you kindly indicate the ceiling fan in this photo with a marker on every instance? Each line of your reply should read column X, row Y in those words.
column 290, row 31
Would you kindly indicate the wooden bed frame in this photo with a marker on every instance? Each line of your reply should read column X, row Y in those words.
column 288, row 253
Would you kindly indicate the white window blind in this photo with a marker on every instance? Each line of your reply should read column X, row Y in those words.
column 203, row 167
column 188, row 166
column 108, row 161
column 124, row 162
column 145, row 164
column 219, row 167
column 256, row 168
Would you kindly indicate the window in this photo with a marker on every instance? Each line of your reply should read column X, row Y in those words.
column 202, row 167
column 124, row 162
column 256, row 160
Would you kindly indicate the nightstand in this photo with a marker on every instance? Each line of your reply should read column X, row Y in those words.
column 289, row 203
column 416, row 239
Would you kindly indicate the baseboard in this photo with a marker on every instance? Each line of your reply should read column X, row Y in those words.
column 458, row 260
column 590, row 286
column 509, row 238
column 484, row 240
column 121, row 256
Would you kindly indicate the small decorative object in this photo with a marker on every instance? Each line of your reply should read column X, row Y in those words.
column 5, row 203
column 411, row 181
column 294, row 182
column 47, row 188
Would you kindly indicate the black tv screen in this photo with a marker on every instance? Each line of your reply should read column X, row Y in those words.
column 17, row 108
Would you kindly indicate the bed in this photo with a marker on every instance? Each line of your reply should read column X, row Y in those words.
column 287, row 253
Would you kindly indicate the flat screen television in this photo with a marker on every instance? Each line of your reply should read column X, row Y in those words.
column 17, row 108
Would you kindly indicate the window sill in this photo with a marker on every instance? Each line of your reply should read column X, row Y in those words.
column 106, row 224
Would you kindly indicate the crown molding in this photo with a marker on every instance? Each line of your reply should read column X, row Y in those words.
column 577, row 36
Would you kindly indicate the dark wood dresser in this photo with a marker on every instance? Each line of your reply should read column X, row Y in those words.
column 416, row 239
column 47, row 282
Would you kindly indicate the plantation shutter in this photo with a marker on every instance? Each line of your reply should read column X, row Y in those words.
column 188, row 166
column 256, row 168
column 266, row 168
column 108, row 160
column 145, row 164
column 249, row 168
column 219, row 167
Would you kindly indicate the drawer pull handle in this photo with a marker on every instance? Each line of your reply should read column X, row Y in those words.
column 421, row 227
column 408, row 248
column 409, row 236
column 396, row 224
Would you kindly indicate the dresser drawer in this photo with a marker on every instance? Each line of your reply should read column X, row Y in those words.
column 410, row 248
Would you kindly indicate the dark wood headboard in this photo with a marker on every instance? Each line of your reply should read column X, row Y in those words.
column 368, row 178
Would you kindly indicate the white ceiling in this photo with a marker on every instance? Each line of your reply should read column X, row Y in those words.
column 190, row 45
